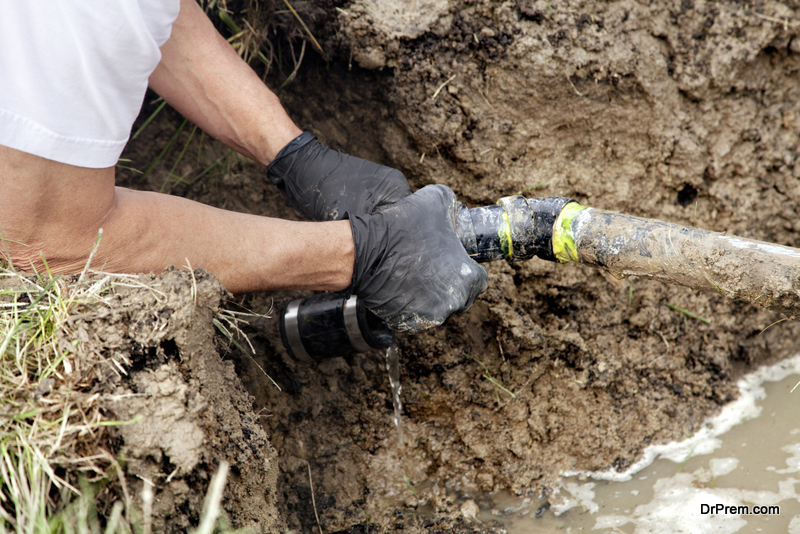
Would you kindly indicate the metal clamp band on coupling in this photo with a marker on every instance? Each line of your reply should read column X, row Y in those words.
column 352, row 327
column 292, row 330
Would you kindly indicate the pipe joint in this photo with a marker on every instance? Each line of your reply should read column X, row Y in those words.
column 514, row 229
column 544, row 213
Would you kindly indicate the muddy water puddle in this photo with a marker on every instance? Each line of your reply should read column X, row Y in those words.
column 747, row 456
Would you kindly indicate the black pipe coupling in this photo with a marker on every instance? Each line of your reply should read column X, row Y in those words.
column 331, row 324
column 544, row 214
column 514, row 229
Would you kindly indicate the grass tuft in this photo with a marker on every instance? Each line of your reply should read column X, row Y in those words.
column 53, row 465
column 47, row 409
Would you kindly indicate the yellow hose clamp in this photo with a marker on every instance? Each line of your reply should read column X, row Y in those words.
column 563, row 237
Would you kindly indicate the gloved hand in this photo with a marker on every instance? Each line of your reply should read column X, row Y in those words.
column 323, row 184
column 410, row 267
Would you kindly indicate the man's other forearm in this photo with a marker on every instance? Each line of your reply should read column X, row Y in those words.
column 146, row 232
column 202, row 76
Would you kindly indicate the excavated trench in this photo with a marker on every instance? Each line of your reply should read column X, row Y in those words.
column 686, row 111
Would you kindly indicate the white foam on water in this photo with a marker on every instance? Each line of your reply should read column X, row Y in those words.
column 579, row 495
column 677, row 507
column 794, row 461
column 723, row 466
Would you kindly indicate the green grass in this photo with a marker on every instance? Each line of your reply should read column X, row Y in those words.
column 45, row 410
column 496, row 384
column 149, row 118
column 164, row 150
column 532, row 188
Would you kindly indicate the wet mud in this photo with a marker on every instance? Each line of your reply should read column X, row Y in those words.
column 688, row 112
column 744, row 455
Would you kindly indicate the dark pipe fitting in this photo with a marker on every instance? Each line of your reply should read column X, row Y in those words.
column 514, row 229
column 544, row 213
column 478, row 229
column 328, row 325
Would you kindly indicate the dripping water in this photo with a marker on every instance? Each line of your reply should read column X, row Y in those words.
column 393, row 368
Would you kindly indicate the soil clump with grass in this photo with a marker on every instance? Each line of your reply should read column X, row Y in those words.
column 685, row 111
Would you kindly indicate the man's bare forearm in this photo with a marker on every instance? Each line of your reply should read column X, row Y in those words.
column 202, row 76
column 52, row 212
column 149, row 231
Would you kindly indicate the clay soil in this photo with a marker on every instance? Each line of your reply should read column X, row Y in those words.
column 685, row 111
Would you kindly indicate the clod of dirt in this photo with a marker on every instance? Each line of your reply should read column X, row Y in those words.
column 168, row 418
column 183, row 407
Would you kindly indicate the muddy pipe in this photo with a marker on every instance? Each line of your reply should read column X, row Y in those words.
column 561, row 230
column 763, row 274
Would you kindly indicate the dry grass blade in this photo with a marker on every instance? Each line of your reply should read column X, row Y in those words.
column 442, row 86
column 297, row 64
column 211, row 507
column 147, row 506
column 493, row 381
column 773, row 324
column 231, row 319
column 91, row 255
column 303, row 24
column 782, row 21
column 313, row 499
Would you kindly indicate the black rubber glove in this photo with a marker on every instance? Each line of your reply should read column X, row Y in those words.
column 410, row 267
column 323, row 184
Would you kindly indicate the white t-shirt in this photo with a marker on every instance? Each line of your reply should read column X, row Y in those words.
column 73, row 74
